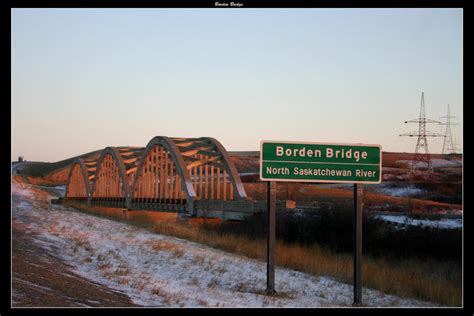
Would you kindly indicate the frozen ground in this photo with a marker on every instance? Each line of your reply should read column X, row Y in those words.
column 157, row 270
column 389, row 189
column 447, row 223
column 436, row 162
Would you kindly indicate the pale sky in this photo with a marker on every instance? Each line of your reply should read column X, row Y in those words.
column 84, row 79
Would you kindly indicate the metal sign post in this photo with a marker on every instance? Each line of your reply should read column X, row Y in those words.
column 357, row 243
column 271, row 205
column 319, row 162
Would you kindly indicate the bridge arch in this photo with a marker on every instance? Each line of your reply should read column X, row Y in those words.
column 111, row 176
column 234, row 174
column 78, row 185
column 155, row 166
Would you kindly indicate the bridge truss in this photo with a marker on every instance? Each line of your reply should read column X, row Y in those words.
column 191, row 176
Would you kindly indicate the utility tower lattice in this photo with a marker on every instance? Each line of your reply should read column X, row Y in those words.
column 457, row 148
column 422, row 154
column 448, row 144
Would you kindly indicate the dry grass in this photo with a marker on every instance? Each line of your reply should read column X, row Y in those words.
column 122, row 272
column 123, row 281
column 107, row 274
column 241, row 287
column 156, row 291
column 201, row 302
column 87, row 260
column 163, row 245
column 173, row 299
column 178, row 253
column 194, row 281
column 53, row 229
column 198, row 260
column 104, row 265
column 408, row 278
column 139, row 285
column 221, row 270
column 402, row 278
column 81, row 242
column 213, row 283
column 105, row 212
column 427, row 280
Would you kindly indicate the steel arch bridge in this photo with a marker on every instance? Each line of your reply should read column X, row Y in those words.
column 191, row 176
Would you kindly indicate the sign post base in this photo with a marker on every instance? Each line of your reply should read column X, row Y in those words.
column 357, row 240
column 271, row 205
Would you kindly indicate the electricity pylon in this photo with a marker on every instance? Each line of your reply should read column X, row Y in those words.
column 422, row 153
column 457, row 148
column 448, row 144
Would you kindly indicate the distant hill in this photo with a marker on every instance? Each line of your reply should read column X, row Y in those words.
column 245, row 153
column 43, row 169
column 246, row 162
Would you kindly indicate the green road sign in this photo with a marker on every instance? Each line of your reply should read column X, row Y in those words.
column 320, row 162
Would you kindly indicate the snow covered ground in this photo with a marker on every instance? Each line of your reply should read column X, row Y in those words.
column 389, row 189
column 58, row 191
column 436, row 162
column 61, row 190
column 447, row 223
column 158, row 270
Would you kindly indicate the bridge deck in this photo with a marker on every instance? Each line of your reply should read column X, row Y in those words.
column 234, row 210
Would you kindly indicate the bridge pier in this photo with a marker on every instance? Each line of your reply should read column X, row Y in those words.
column 128, row 201
column 182, row 218
column 125, row 214
column 190, row 206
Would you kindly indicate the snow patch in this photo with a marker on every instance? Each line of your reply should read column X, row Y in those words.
column 388, row 189
column 446, row 223
column 158, row 270
column 436, row 163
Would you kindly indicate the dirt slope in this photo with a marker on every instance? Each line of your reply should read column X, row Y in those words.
column 41, row 279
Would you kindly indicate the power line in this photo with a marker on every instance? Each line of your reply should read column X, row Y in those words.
column 449, row 146
column 422, row 154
